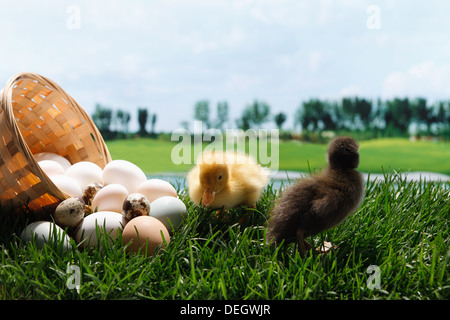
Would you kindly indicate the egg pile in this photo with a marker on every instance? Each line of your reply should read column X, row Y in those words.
column 117, row 198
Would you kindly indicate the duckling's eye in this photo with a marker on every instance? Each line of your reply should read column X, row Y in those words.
column 219, row 177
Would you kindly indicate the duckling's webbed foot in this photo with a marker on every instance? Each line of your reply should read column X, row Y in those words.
column 326, row 247
column 221, row 214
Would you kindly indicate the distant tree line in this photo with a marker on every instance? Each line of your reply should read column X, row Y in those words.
column 115, row 124
column 366, row 118
column 370, row 118
column 253, row 115
column 389, row 118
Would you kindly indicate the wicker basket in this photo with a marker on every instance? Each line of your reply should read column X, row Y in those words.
column 36, row 115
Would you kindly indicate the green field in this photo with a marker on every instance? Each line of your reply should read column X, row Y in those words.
column 154, row 156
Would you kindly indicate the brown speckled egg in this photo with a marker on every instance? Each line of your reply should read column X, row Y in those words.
column 143, row 234
column 135, row 205
column 70, row 212
column 90, row 191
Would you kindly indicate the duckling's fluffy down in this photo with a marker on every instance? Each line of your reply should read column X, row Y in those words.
column 246, row 179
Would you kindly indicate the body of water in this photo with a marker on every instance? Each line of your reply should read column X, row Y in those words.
column 288, row 177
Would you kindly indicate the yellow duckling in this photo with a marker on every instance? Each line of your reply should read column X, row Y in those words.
column 226, row 180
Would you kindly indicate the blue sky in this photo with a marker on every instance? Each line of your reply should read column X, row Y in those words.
column 167, row 55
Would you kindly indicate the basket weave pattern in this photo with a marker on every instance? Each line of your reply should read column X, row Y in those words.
column 36, row 115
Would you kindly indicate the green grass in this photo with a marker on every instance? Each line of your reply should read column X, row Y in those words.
column 154, row 156
column 402, row 227
column 148, row 154
column 402, row 154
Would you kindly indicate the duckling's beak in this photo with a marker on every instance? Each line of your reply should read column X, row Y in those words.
column 208, row 196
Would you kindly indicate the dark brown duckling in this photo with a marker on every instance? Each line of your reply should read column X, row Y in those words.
column 321, row 201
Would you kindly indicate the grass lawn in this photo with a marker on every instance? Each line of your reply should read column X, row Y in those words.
column 401, row 154
column 401, row 228
column 154, row 156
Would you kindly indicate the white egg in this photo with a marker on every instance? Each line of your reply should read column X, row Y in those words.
column 110, row 198
column 168, row 208
column 97, row 223
column 125, row 173
column 85, row 173
column 156, row 188
column 51, row 167
column 67, row 185
column 54, row 157
column 46, row 232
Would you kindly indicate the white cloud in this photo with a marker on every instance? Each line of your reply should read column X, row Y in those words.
column 302, row 60
column 287, row 13
column 242, row 82
column 351, row 91
column 315, row 60
column 200, row 42
column 424, row 79
column 325, row 12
